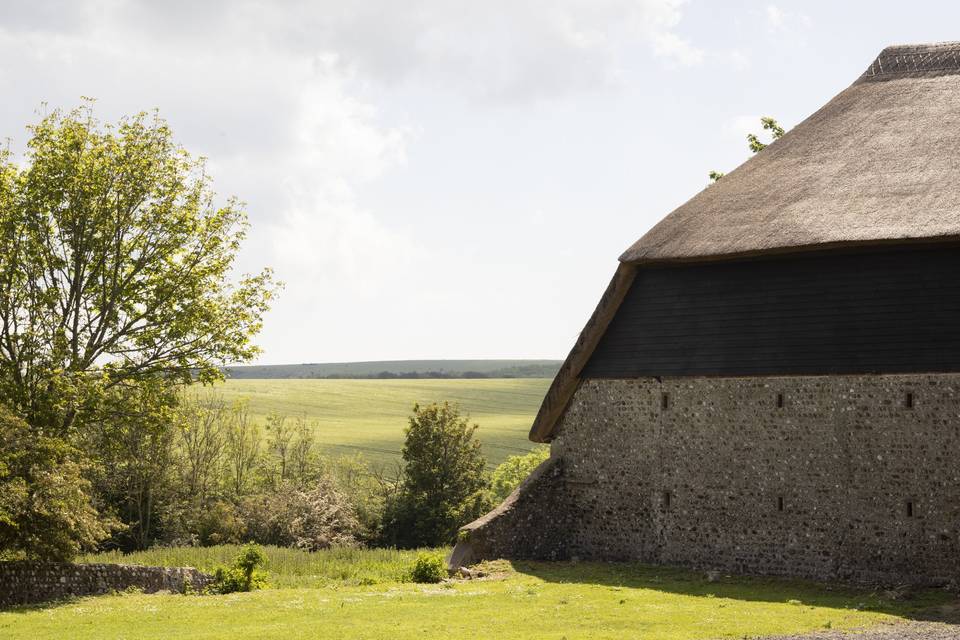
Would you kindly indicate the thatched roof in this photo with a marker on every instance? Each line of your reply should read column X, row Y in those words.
column 879, row 163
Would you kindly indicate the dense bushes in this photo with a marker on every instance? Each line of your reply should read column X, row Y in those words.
column 45, row 503
column 244, row 575
column 232, row 481
column 188, row 469
column 310, row 518
column 428, row 568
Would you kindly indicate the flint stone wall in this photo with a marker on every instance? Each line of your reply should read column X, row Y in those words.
column 33, row 582
column 853, row 478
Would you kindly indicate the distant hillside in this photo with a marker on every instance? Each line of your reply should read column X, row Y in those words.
column 389, row 369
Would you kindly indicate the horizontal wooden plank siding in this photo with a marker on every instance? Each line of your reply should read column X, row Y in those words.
column 890, row 311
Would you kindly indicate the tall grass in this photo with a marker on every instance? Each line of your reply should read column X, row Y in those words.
column 286, row 567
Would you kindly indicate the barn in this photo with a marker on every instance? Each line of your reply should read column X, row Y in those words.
column 771, row 382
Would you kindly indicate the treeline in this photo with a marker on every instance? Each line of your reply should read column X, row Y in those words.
column 324, row 372
column 532, row 371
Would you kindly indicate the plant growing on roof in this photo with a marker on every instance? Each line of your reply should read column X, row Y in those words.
column 753, row 142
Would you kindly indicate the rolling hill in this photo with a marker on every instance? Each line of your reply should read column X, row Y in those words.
column 388, row 369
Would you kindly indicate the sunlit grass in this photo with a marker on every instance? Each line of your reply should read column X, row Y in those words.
column 520, row 601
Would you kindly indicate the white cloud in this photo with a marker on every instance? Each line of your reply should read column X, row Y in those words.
column 497, row 50
column 670, row 45
column 775, row 16
column 779, row 19
column 283, row 98
column 322, row 234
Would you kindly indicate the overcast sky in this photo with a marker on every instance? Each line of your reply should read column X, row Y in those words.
column 446, row 179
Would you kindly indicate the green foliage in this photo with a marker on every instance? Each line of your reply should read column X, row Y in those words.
column 216, row 521
column 189, row 468
column 45, row 510
column 115, row 266
column 131, row 433
column 769, row 124
column 249, row 560
column 443, row 485
column 364, row 489
column 515, row 470
column 116, row 286
column 753, row 142
column 309, row 518
column 428, row 568
column 244, row 575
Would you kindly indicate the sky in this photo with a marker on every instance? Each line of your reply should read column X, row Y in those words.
column 440, row 178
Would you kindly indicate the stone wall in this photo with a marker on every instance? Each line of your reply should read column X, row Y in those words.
column 32, row 582
column 828, row 477
column 526, row 520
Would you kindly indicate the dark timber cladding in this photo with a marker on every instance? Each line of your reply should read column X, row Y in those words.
column 884, row 311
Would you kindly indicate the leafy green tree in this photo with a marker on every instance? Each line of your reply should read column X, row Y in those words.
column 115, row 266
column 753, row 142
column 203, row 419
column 242, row 448
column 45, row 510
column 133, row 437
column 279, row 445
column 514, row 470
column 444, row 485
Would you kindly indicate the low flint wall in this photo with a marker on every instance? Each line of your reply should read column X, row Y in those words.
column 26, row 582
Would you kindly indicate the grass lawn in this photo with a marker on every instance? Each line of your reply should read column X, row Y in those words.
column 368, row 416
column 522, row 600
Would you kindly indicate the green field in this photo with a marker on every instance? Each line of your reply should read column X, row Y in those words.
column 361, row 594
column 368, row 416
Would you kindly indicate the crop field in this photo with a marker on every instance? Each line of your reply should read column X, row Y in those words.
column 364, row 594
column 368, row 416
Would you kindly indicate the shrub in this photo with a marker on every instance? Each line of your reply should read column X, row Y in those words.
column 218, row 523
column 515, row 470
column 244, row 575
column 311, row 519
column 428, row 568
column 365, row 489
column 443, row 484
column 45, row 507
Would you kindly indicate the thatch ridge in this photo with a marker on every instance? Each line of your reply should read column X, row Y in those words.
column 911, row 60
column 877, row 163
